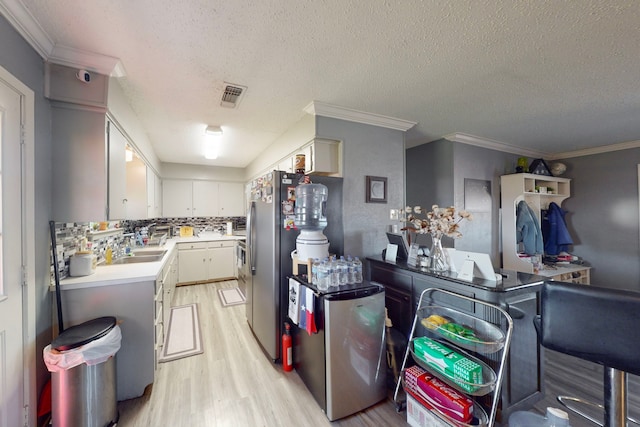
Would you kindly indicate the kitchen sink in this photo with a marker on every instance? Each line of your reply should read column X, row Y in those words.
column 148, row 252
column 138, row 258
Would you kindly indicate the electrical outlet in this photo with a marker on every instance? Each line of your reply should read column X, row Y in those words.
column 393, row 215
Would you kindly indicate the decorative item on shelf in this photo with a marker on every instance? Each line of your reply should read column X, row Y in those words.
column 439, row 222
column 558, row 168
column 523, row 165
column 539, row 167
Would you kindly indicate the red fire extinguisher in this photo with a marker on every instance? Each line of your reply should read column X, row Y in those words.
column 287, row 349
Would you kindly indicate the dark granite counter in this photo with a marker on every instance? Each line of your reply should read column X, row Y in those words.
column 511, row 280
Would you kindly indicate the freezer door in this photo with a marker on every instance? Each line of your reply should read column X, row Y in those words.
column 265, row 281
column 355, row 352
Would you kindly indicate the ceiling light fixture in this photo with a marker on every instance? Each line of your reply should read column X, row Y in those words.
column 213, row 130
column 210, row 149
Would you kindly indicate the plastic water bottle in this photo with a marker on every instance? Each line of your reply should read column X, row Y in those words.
column 554, row 418
column 314, row 271
column 357, row 270
column 342, row 271
column 334, row 272
column 323, row 281
column 351, row 279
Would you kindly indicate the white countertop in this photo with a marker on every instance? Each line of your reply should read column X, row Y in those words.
column 118, row 274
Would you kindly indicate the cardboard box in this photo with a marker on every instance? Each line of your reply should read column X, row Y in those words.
column 419, row 416
column 464, row 372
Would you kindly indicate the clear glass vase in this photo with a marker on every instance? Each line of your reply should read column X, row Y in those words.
column 438, row 258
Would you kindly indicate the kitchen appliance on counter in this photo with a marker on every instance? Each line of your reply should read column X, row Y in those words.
column 344, row 364
column 271, row 238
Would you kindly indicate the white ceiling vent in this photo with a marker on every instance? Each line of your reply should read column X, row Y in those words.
column 232, row 95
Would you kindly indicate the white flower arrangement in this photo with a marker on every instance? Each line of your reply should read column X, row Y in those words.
column 438, row 222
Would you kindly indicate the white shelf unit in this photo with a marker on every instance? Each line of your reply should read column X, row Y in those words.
column 526, row 186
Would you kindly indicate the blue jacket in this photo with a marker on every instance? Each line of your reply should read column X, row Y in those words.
column 554, row 230
column 528, row 229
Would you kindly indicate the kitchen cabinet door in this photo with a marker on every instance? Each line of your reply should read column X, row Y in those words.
column 151, row 193
column 136, row 191
column 231, row 197
column 117, row 173
column 221, row 261
column 205, row 198
column 177, row 198
column 193, row 264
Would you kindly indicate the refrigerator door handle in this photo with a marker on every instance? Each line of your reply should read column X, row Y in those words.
column 251, row 237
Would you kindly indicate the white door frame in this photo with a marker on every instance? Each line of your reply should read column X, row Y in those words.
column 28, row 239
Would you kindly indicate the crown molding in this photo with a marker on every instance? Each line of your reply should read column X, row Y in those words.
column 466, row 138
column 317, row 108
column 76, row 58
column 27, row 26
column 597, row 150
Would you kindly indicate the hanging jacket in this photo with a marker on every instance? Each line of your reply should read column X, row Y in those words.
column 528, row 229
column 554, row 230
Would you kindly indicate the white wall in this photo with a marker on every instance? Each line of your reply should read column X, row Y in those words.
column 298, row 135
column 201, row 172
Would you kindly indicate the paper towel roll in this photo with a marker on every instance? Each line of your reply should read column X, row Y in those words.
column 229, row 229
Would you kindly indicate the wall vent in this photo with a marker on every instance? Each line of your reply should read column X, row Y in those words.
column 232, row 95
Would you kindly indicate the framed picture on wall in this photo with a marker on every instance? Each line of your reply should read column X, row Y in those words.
column 376, row 189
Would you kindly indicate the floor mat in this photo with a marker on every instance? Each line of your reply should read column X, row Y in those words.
column 232, row 296
column 183, row 336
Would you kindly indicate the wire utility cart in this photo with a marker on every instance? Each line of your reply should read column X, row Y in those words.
column 479, row 342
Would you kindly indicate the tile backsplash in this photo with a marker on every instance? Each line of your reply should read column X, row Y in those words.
column 71, row 236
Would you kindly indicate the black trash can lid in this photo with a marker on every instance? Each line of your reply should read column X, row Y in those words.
column 83, row 333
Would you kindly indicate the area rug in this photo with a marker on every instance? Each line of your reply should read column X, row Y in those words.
column 183, row 336
column 231, row 296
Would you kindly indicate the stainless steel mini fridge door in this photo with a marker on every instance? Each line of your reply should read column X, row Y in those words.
column 355, row 351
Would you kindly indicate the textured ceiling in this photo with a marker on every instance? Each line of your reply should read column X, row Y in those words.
column 551, row 76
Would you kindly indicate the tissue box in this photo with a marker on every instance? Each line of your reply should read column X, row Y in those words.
column 448, row 362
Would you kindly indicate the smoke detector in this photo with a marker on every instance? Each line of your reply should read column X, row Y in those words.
column 232, row 94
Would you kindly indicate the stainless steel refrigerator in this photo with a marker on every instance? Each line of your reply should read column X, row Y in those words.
column 270, row 240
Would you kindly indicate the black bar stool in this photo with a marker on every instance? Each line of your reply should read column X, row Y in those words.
column 600, row 325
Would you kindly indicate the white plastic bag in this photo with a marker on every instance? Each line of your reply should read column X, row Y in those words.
column 92, row 353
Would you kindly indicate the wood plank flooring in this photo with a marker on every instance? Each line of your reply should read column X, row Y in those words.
column 234, row 384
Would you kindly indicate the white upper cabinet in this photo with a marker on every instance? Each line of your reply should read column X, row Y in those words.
column 205, row 198
column 91, row 179
column 231, row 199
column 177, row 198
column 195, row 198
column 154, row 194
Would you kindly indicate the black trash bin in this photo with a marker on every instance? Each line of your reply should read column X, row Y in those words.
column 84, row 394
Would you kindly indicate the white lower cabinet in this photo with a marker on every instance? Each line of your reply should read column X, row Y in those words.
column 202, row 261
column 222, row 257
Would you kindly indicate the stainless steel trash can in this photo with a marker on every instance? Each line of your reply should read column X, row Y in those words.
column 85, row 395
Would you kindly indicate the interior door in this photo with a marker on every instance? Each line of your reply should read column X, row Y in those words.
column 12, row 351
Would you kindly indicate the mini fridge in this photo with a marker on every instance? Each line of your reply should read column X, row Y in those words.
column 344, row 364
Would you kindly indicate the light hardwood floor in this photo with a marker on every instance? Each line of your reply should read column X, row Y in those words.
column 234, row 384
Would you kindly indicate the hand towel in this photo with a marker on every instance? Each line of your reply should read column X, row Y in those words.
column 294, row 301
column 310, row 325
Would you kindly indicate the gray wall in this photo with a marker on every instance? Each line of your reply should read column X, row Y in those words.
column 367, row 150
column 603, row 216
column 436, row 174
column 25, row 64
